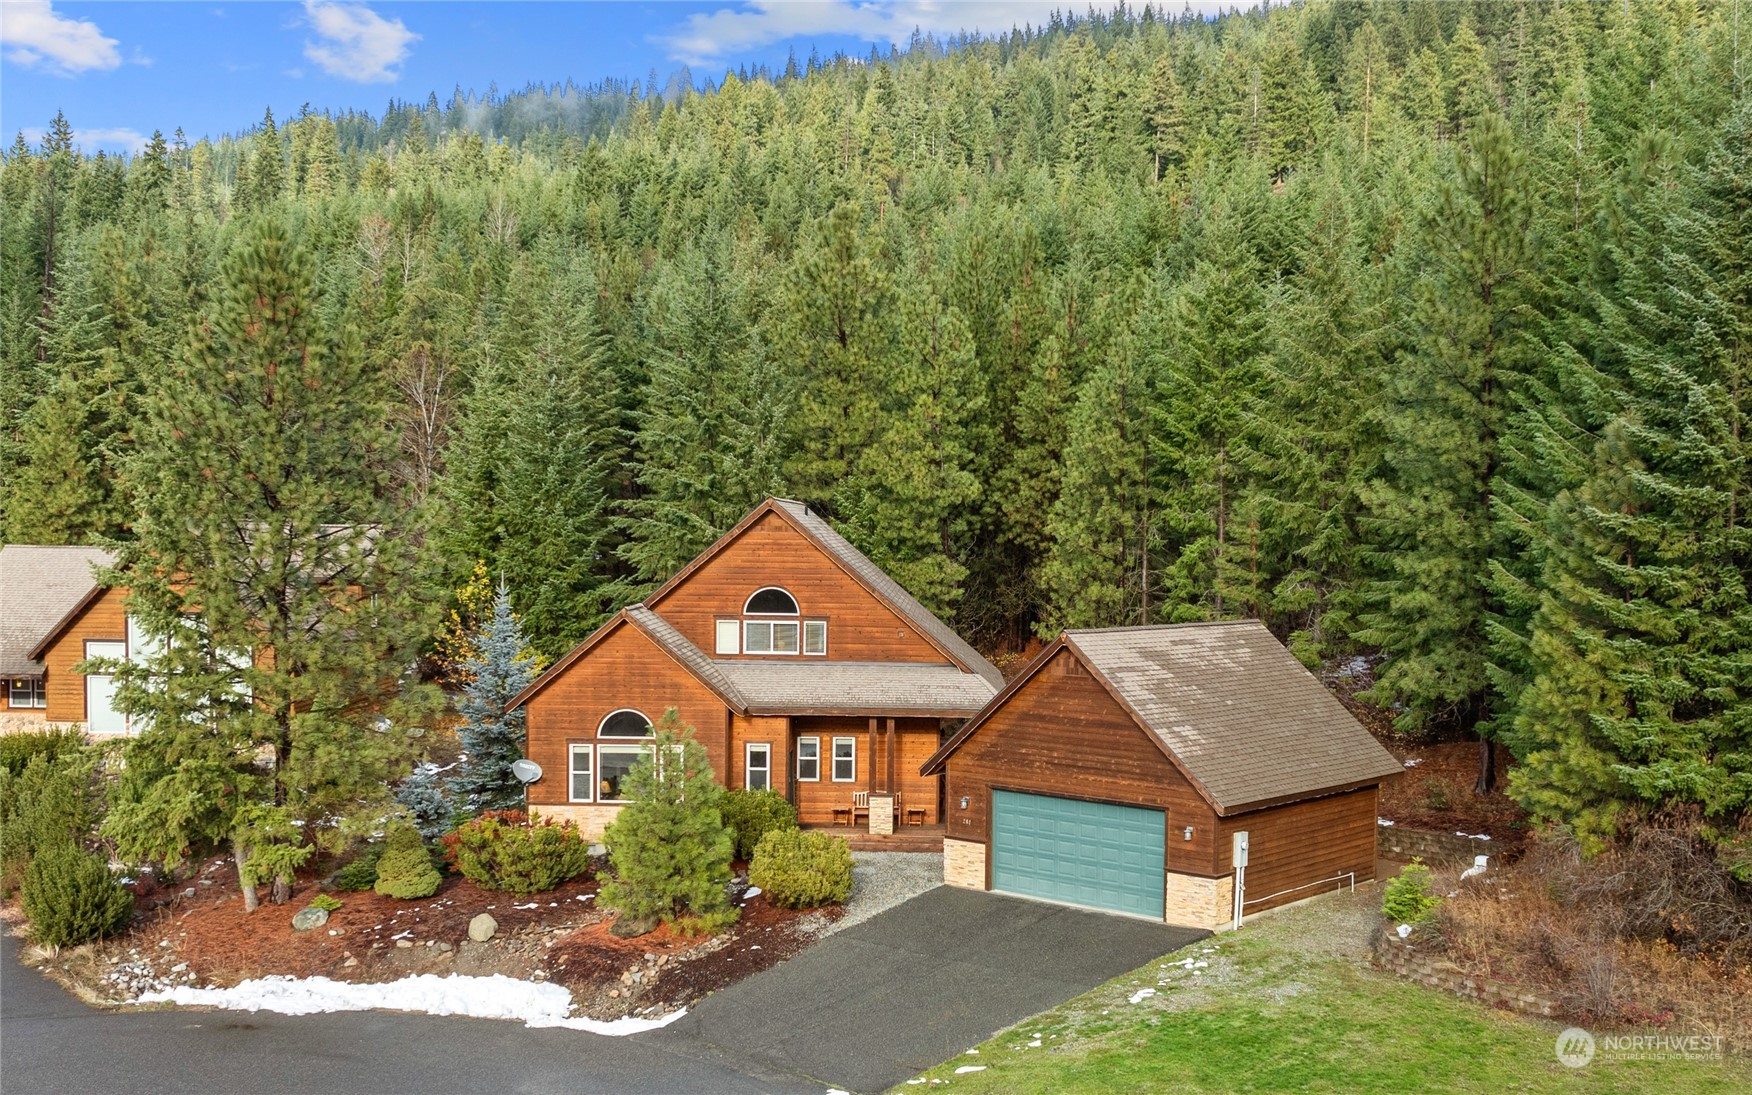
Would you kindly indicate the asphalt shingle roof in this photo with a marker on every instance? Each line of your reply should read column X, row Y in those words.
column 772, row 687
column 1248, row 721
column 38, row 587
column 892, row 592
column 683, row 650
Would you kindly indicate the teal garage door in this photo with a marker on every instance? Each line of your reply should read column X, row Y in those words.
column 1083, row 853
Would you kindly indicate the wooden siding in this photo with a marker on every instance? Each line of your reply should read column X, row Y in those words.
column 1061, row 733
column 770, row 552
column 1303, row 842
column 771, row 730
column 101, row 620
column 885, row 763
column 626, row 669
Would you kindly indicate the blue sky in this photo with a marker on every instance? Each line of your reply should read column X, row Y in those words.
column 121, row 70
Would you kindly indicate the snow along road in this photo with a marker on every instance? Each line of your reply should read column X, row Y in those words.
column 50, row 1042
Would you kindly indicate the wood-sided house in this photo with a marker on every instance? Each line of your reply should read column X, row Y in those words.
column 1120, row 767
column 53, row 615
column 802, row 667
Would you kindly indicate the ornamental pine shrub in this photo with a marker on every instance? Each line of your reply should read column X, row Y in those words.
column 406, row 871
column 670, row 848
column 1410, row 897
column 16, row 750
column 361, row 872
column 46, row 804
column 754, row 814
column 501, row 850
column 71, row 897
column 801, row 870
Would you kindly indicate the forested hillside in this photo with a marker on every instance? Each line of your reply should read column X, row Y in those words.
column 1415, row 329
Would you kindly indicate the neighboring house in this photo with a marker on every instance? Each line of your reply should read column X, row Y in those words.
column 1117, row 770
column 802, row 667
column 52, row 615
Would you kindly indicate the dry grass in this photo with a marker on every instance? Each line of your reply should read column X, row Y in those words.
column 1652, row 932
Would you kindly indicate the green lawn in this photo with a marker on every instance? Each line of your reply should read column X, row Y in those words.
column 1290, row 1005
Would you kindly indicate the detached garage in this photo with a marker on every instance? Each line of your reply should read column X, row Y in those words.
column 1125, row 766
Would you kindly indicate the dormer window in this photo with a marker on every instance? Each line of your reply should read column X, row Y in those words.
column 771, row 623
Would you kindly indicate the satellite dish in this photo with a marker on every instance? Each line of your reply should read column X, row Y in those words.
column 526, row 770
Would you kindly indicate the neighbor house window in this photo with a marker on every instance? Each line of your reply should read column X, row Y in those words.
column 26, row 693
column 757, row 772
column 809, row 759
column 583, row 786
column 815, row 636
column 845, row 760
column 625, row 723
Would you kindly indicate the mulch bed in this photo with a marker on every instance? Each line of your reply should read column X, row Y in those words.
column 197, row 927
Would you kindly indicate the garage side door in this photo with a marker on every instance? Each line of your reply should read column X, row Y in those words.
column 1083, row 853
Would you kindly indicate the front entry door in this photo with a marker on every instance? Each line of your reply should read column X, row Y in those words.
column 101, row 716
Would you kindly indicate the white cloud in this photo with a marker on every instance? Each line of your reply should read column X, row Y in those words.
column 356, row 42
column 709, row 36
column 111, row 139
column 34, row 35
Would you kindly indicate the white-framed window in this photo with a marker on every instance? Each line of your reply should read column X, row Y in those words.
column 770, row 601
column 624, row 723
column 769, row 636
column 815, row 637
column 729, row 637
column 845, row 760
column 808, row 760
column 582, row 775
column 613, row 762
column 757, row 769
column 27, row 693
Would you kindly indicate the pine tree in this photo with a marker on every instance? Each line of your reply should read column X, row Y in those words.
column 492, row 732
column 275, row 572
column 669, row 847
column 1434, row 521
column 1641, row 641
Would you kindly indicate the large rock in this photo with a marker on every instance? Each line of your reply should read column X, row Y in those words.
column 482, row 927
column 305, row 919
column 631, row 927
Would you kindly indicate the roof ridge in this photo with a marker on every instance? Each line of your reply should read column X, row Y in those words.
column 1124, row 628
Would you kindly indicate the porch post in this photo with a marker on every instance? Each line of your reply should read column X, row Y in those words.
column 891, row 751
column 871, row 753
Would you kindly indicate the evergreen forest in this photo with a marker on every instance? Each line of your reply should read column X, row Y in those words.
column 1420, row 331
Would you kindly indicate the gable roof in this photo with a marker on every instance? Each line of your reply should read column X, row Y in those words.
column 856, row 688
column 40, row 588
column 665, row 637
column 1230, row 706
column 859, row 567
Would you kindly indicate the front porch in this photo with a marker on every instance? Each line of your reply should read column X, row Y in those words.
column 908, row 838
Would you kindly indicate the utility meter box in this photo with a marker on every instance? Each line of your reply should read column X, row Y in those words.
column 1240, row 851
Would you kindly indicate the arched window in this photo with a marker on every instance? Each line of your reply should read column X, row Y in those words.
column 625, row 723
column 771, row 601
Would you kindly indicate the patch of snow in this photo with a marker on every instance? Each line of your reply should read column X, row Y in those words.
column 1474, row 836
column 494, row 997
column 1404, row 930
column 1034, row 1044
column 919, row 1080
column 964, row 1069
column 1414, row 762
column 752, row 891
column 838, row 1091
column 531, row 905
column 973, row 1053
column 1141, row 995
column 1383, row 822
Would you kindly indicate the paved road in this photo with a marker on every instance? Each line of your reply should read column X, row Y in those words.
column 864, row 1009
column 52, row 1043
column 876, row 1004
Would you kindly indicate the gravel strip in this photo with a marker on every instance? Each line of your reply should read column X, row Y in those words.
column 882, row 880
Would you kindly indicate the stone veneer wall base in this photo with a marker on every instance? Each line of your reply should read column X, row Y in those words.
column 964, row 864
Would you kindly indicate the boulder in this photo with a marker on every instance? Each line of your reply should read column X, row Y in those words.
column 308, row 918
column 482, row 927
column 631, row 927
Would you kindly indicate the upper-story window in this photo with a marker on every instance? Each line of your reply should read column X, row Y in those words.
column 625, row 723
column 771, row 623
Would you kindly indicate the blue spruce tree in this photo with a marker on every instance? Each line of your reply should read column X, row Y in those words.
column 492, row 737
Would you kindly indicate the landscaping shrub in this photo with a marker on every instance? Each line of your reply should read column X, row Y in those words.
column 16, row 750
column 1410, row 896
column 405, row 871
column 361, row 872
column 71, row 897
column 48, row 803
column 753, row 814
column 801, row 870
column 500, row 850
column 325, row 902
column 670, row 847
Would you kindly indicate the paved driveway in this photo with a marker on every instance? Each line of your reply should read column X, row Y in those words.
column 864, row 1009
column 878, row 1003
